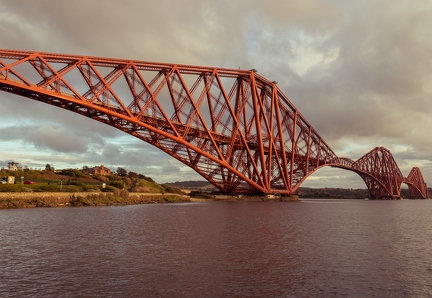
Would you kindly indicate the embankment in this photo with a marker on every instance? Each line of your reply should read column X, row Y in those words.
column 65, row 199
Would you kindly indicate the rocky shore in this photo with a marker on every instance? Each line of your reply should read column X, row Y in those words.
column 11, row 200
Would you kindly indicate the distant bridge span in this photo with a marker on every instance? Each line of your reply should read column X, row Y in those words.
column 234, row 127
column 382, row 176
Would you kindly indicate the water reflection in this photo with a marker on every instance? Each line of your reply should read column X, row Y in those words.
column 300, row 249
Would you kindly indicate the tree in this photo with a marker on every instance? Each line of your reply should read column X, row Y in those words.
column 49, row 168
column 121, row 172
column 133, row 175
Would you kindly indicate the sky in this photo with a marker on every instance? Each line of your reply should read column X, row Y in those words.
column 359, row 71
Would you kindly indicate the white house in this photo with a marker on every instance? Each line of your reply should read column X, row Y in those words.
column 13, row 166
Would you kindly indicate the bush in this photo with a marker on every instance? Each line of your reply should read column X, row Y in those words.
column 10, row 188
column 127, row 180
column 109, row 188
column 199, row 194
column 173, row 199
column 101, row 178
column 171, row 189
column 118, row 184
column 149, row 179
column 50, row 188
column 72, row 173
column 121, row 193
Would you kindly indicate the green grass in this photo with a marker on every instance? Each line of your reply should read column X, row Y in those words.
column 45, row 187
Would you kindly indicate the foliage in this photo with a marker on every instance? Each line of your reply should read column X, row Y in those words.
column 148, row 179
column 74, row 180
column 11, row 188
column 121, row 172
column 72, row 173
column 171, row 189
column 50, row 188
column 133, row 175
column 174, row 199
column 49, row 168
column 109, row 188
column 118, row 184
column 127, row 180
column 101, row 178
column 149, row 186
column 199, row 194
column 122, row 193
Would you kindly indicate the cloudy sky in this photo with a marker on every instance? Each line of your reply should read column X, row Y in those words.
column 359, row 71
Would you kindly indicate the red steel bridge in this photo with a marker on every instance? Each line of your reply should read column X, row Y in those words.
column 233, row 127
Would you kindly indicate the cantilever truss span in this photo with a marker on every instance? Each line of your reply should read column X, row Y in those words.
column 382, row 176
column 234, row 127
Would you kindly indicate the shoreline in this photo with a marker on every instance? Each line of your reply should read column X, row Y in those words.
column 18, row 200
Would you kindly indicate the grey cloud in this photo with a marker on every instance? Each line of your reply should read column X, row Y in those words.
column 171, row 169
column 45, row 137
column 366, row 80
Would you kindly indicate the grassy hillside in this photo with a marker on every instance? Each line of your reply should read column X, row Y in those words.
column 74, row 180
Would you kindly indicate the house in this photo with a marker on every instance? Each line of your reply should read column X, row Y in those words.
column 97, row 170
column 13, row 166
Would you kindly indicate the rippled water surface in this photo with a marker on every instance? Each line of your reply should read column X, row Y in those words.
column 311, row 248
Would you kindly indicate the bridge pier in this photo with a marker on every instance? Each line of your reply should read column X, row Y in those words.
column 258, row 197
column 386, row 198
column 289, row 198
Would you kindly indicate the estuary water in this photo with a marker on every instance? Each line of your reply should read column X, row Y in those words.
column 310, row 248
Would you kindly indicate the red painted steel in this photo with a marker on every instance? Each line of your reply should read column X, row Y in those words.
column 417, row 186
column 383, row 177
column 234, row 127
column 379, row 171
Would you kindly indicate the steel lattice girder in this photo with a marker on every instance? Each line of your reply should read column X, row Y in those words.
column 382, row 168
column 234, row 127
column 417, row 186
column 382, row 176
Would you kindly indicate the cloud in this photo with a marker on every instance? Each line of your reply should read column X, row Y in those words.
column 47, row 137
column 358, row 71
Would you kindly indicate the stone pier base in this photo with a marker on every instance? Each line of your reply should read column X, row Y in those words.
column 289, row 198
column 386, row 198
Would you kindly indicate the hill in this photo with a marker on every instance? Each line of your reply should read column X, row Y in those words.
column 303, row 192
column 203, row 186
column 74, row 180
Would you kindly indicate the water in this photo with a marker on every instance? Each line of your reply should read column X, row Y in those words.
column 312, row 248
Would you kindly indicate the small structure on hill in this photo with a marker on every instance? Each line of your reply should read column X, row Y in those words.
column 97, row 170
column 13, row 166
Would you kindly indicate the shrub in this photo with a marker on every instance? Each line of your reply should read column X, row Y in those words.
column 118, row 184
column 149, row 179
column 127, row 180
column 50, row 188
column 109, row 188
column 101, row 178
column 173, row 199
column 72, row 173
column 171, row 189
column 199, row 194
column 10, row 187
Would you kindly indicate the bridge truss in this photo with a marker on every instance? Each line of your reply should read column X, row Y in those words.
column 234, row 127
column 382, row 176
